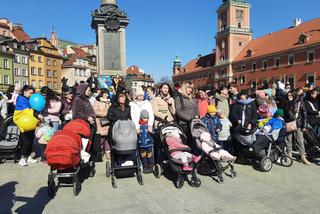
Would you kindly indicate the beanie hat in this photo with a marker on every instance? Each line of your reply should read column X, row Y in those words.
column 212, row 109
column 139, row 91
column 280, row 112
column 263, row 110
column 205, row 136
column 144, row 114
column 261, row 94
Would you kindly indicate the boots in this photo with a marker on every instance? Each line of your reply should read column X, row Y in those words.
column 304, row 160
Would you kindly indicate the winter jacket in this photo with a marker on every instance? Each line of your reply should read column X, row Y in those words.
column 81, row 107
column 244, row 111
column 115, row 113
column 175, row 146
column 66, row 107
column 145, row 140
column 137, row 107
column 291, row 108
column 186, row 109
column 203, row 107
column 52, row 110
column 161, row 110
column 213, row 124
column 222, row 105
column 312, row 109
column 101, row 110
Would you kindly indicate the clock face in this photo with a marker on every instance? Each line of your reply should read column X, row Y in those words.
column 239, row 15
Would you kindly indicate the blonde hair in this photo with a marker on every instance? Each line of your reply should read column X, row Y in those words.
column 184, row 88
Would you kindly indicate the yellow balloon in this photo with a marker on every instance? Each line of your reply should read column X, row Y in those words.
column 27, row 123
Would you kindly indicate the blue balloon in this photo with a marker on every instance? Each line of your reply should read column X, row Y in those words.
column 37, row 102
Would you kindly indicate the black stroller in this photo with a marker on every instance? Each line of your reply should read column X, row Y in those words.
column 123, row 150
column 265, row 147
column 9, row 140
column 313, row 143
column 166, row 162
column 208, row 166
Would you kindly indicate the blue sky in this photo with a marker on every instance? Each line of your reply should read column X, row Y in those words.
column 157, row 27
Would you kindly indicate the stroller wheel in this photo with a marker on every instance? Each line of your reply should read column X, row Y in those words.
column 286, row 161
column 179, row 182
column 233, row 174
column 114, row 182
column 108, row 169
column 76, row 186
column 195, row 182
column 139, row 178
column 266, row 164
column 52, row 189
column 220, row 179
column 157, row 171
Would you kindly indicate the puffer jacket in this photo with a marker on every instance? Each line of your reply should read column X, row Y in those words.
column 291, row 108
column 52, row 110
column 186, row 109
column 101, row 109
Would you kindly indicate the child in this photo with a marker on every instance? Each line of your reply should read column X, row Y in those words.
column 145, row 143
column 212, row 122
column 175, row 144
column 214, row 150
column 44, row 134
column 224, row 135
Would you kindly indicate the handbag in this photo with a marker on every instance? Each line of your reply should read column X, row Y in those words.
column 104, row 121
column 292, row 126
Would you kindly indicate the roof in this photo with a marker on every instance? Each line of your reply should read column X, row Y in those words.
column 70, row 61
column 282, row 40
column 134, row 70
column 4, row 25
column 198, row 64
column 79, row 52
column 20, row 34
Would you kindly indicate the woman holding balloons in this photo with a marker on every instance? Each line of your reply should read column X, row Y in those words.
column 26, row 117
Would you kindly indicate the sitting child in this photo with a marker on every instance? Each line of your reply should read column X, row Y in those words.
column 145, row 143
column 44, row 134
column 213, row 149
column 178, row 150
column 212, row 122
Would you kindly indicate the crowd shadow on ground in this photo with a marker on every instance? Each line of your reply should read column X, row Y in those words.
column 8, row 199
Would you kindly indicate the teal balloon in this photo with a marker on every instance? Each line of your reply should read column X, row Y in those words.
column 37, row 102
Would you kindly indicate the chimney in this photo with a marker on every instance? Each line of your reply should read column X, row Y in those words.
column 297, row 22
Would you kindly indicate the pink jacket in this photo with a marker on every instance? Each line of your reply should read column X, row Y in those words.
column 54, row 110
column 175, row 144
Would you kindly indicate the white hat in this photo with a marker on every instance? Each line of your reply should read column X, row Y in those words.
column 138, row 92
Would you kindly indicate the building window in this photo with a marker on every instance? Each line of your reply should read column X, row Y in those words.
column 40, row 59
column 254, row 66
column 265, row 82
column 253, row 84
column 33, row 83
column 55, row 63
column 49, row 73
column 291, row 59
column 239, row 25
column 48, row 62
column 24, row 60
column 40, row 72
column 40, row 84
column 24, row 72
column 55, row 86
column 277, row 62
column 33, row 71
column 49, row 85
column 240, row 43
column 76, row 72
column 243, row 67
column 6, row 79
column 55, row 74
column 16, row 59
column 16, row 72
column 265, row 64
column 310, row 56
column 17, row 83
column 6, row 63
column 243, row 80
column 32, row 58
column 291, row 81
column 24, row 83
column 310, row 78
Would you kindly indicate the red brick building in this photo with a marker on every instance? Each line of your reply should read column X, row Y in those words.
column 291, row 55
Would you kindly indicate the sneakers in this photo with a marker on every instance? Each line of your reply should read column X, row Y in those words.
column 23, row 162
column 187, row 168
column 31, row 160
column 196, row 159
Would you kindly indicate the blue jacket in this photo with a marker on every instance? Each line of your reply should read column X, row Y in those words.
column 22, row 103
column 212, row 123
column 145, row 139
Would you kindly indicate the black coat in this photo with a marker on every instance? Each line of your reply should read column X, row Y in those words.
column 312, row 115
column 250, row 111
column 115, row 113
column 291, row 108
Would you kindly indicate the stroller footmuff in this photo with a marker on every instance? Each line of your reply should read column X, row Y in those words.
column 313, row 143
column 175, row 155
column 123, row 152
column 9, row 140
column 211, row 164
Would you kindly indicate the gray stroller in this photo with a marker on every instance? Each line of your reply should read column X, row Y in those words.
column 207, row 165
column 9, row 140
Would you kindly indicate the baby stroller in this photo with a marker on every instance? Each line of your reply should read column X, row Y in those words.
column 64, row 156
column 313, row 143
column 265, row 147
column 9, row 140
column 207, row 165
column 166, row 161
column 123, row 152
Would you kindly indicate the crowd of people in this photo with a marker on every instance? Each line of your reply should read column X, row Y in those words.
column 226, row 111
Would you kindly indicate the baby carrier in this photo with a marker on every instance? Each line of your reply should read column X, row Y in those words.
column 207, row 165
column 123, row 152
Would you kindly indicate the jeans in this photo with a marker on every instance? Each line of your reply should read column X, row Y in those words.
column 299, row 141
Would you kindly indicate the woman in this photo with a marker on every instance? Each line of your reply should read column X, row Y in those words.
column 67, row 101
column 187, row 109
column 295, row 111
column 312, row 108
column 52, row 108
column 101, row 107
column 120, row 109
column 26, row 137
column 163, row 105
